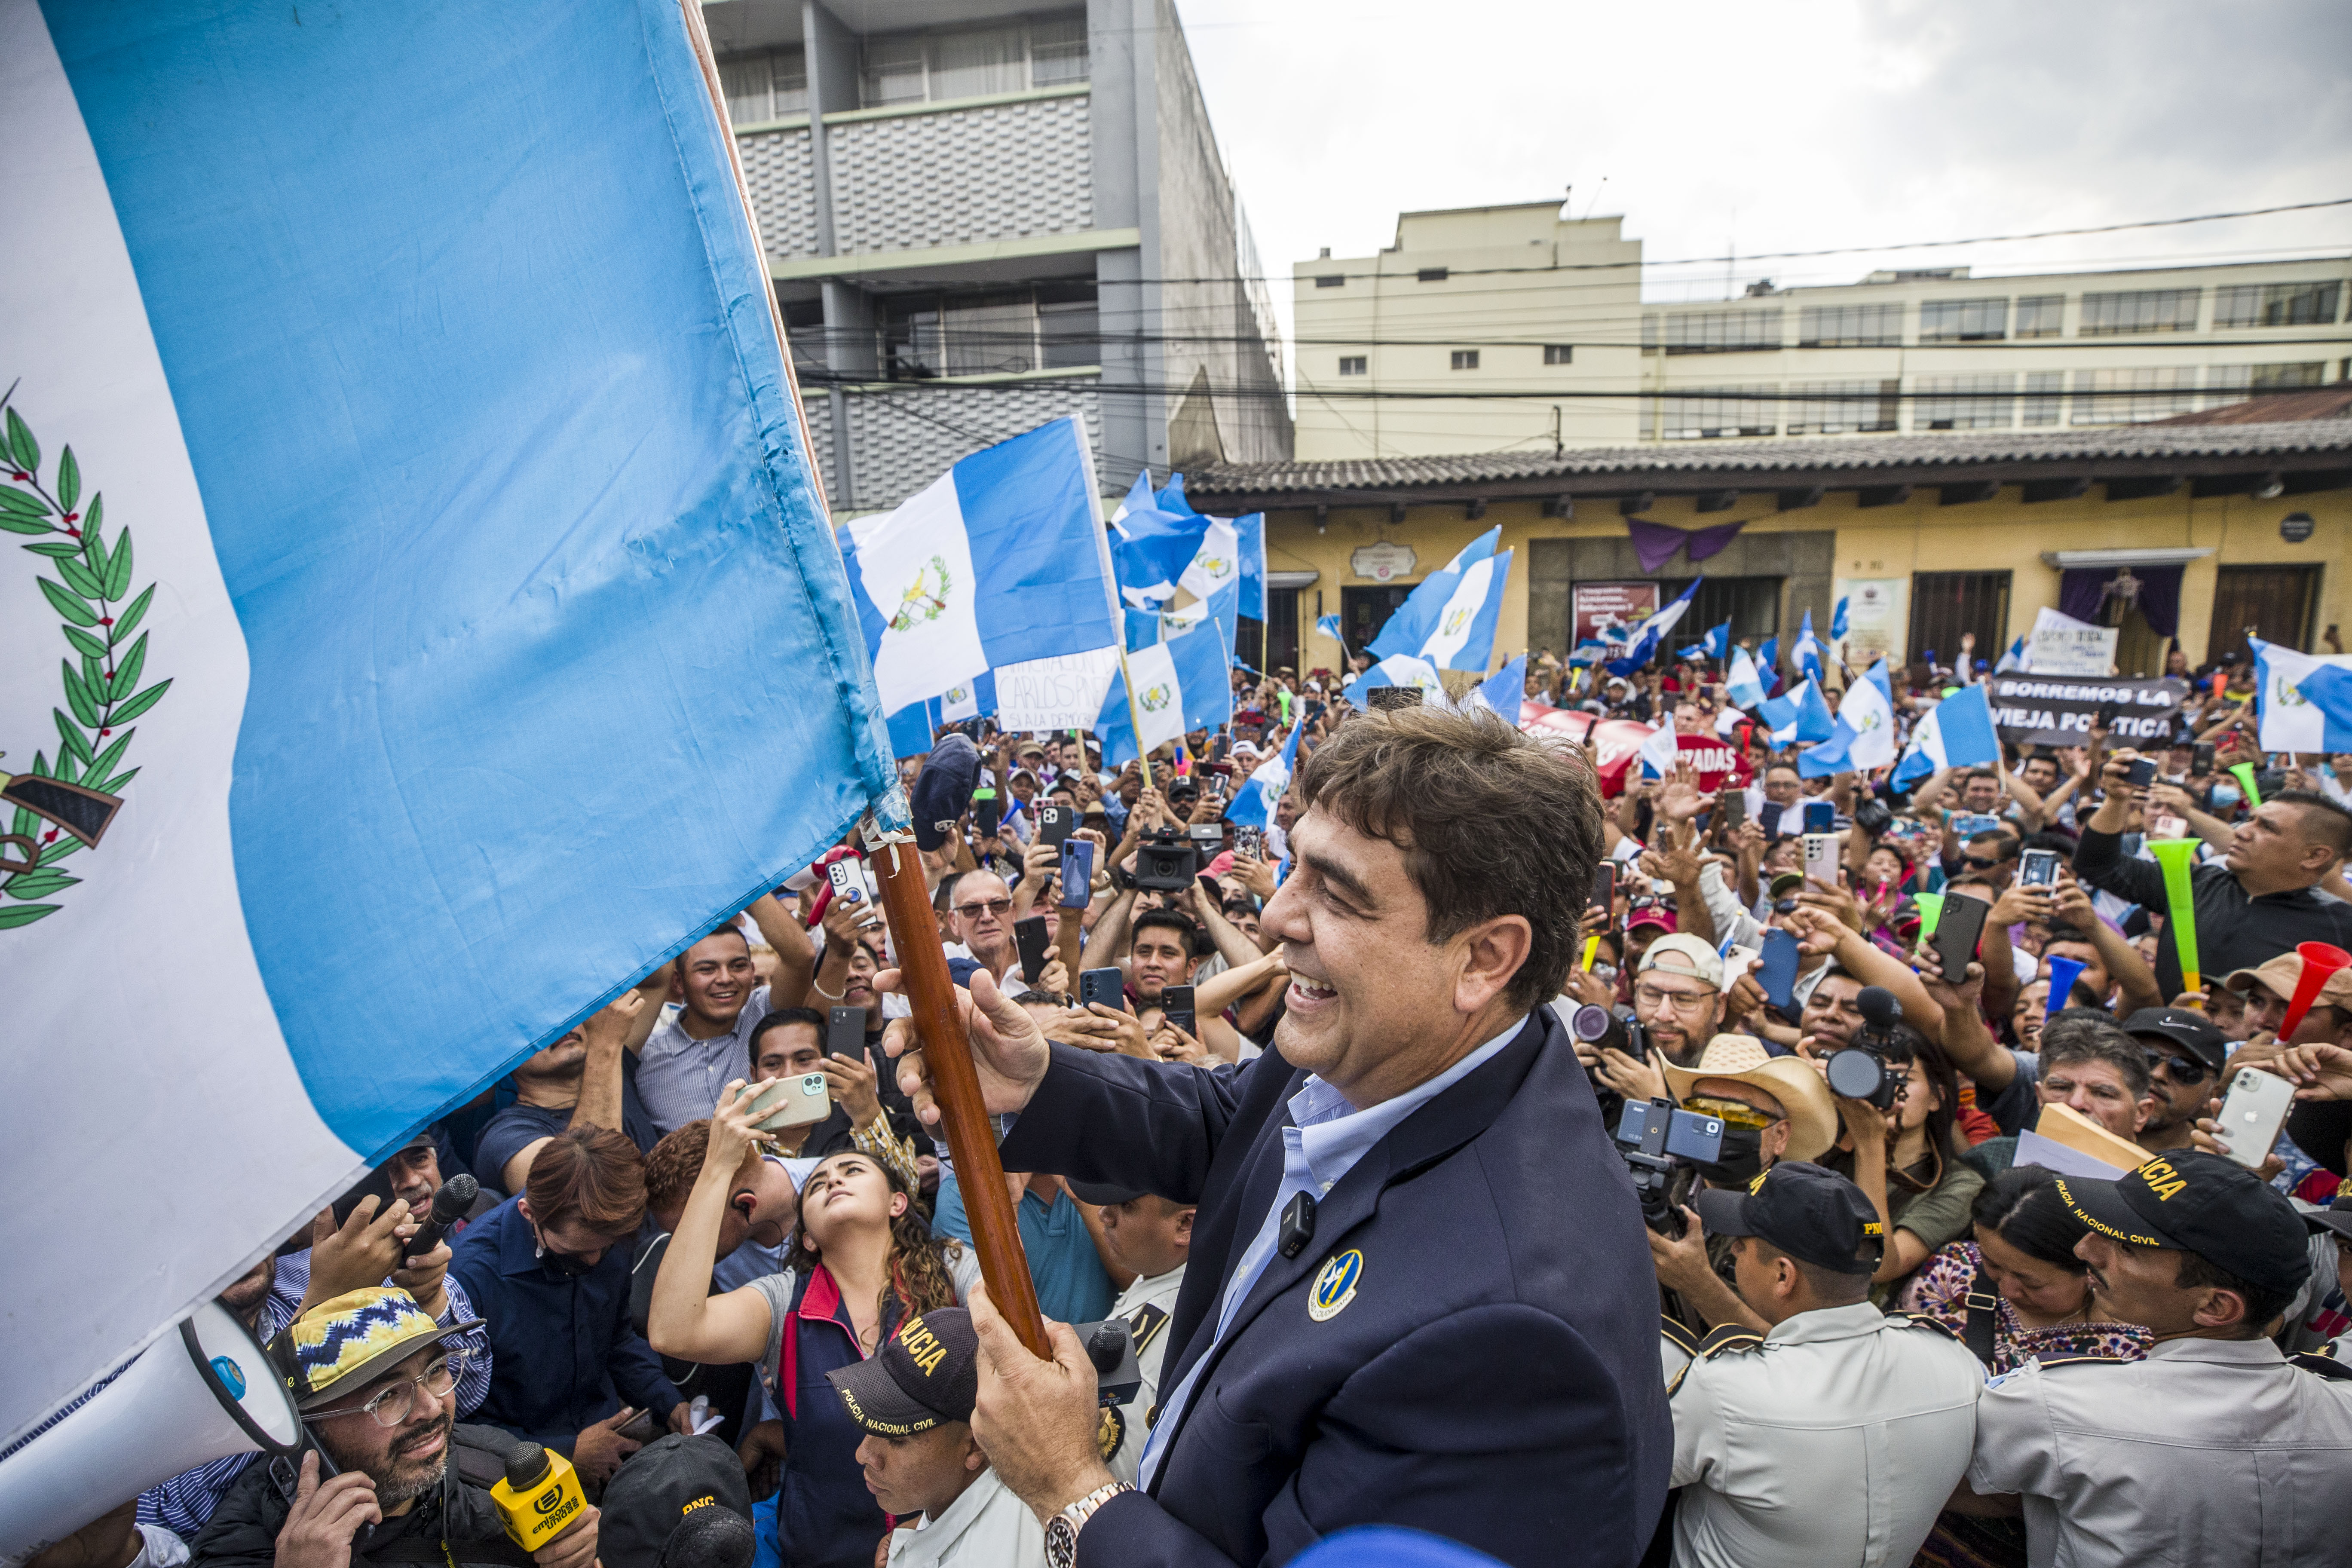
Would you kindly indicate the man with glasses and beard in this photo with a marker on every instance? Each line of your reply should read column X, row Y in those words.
column 375, row 1384
column 550, row 1267
column 2186, row 1055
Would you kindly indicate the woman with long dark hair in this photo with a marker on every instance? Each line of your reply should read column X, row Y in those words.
column 1904, row 1157
column 860, row 1262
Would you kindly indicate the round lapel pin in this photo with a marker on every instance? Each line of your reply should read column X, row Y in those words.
column 1335, row 1286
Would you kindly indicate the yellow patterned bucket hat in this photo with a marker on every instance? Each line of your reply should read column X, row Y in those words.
column 342, row 1344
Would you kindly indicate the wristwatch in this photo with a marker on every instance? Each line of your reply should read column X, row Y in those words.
column 1062, row 1530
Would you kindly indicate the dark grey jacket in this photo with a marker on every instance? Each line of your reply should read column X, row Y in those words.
column 243, row 1532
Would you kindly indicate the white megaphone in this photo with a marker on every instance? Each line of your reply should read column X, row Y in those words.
column 197, row 1395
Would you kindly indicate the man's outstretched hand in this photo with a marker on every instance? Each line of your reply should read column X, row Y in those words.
column 1036, row 1420
column 1009, row 1052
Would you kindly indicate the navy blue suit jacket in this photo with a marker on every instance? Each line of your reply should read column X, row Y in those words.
column 1494, row 1377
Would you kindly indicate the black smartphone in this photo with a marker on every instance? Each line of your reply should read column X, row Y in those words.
column 2143, row 772
column 2106, row 715
column 2200, row 760
column 1176, row 1006
column 1956, row 930
column 1102, row 985
column 1733, row 805
column 1029, row 936
column 1604, row 894
column 987, row 812
column 845, row 1032
column 1077, row 872
column 376, row 1184
column 1055, row 822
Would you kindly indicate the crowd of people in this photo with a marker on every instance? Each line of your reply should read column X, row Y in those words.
column 1888, row 1330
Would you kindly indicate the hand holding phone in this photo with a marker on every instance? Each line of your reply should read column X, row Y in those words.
column 1029, row 936
column 2252, row 1115
column 1077, row 873
column 1103, row 985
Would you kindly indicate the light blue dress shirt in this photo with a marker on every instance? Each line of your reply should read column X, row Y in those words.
column 1325, row 1139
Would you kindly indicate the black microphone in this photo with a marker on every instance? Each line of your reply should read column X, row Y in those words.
column 450, row 1204
column 712, row 1536
column 1878, row 1004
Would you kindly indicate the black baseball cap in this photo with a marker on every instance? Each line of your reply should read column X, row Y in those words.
column 1102, row 1195
column 665, row 1483
column 2194, row 1202
column 1814, row 1216
column 2336, row 1216
column 2192, row 1032
column 927, row 1373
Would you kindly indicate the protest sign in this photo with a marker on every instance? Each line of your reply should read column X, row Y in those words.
column 1059, row 693
column 1875, row 619
column 2061, row 645
column 1598, row 607
column 1718, row 762
column 2040, row 710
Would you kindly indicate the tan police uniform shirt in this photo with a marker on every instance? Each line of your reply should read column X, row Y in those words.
column 2209, row 1452
column 1147, row 1305
column 1833, row 1439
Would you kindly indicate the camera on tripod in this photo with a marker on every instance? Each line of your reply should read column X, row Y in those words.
column 1169, row 858
column 1661, row 1146
column 1863, row 1070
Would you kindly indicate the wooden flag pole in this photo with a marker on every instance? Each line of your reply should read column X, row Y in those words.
column 955, row 1084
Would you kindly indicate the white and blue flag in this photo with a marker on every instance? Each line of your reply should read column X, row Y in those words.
column 1397, row 669
column 1712, row 646
column 998, row 562
column 2015, row 660
column 1807, row 653
column 1863, row 737
column 1956, row 732
column 1661, row 748
column 1253, row 804
column 1251, row 532
column 1505, row 692
column 1643, row 646
column 1744, row 687
column 1329, row 625
column 483, row 641
column 1799, row 715
column 1418, row 620
column 2303, row 702
column 1768, row 664
column 1183, row 684
column 1151, row 546
column 1838, row 618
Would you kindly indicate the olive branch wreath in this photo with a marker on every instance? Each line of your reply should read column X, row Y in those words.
column 93, row 582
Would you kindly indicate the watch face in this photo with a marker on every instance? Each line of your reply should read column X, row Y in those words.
column 1061, row 1543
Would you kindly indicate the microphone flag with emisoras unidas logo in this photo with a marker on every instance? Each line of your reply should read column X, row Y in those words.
column 418, row 615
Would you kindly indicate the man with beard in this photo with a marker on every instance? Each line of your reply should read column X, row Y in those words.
column 1678, row 998
column 2186, row 1056
column 375, row 1384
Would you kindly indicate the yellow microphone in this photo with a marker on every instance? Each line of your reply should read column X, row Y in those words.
column 540, row 1497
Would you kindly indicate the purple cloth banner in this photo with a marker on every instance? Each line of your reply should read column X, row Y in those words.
column 1653, row 543
column 1706, row 541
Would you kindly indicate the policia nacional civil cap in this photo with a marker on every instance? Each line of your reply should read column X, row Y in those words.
column 1814, row 1216
column 2194, row 1202
column 927, row 1373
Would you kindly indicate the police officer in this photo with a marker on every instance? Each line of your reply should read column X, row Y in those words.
column 1153, row 1237
column 1836, row 1436
column 2214, row 1448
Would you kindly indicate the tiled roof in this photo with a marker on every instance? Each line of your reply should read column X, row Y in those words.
column 2319, row 403
column 1694, row 464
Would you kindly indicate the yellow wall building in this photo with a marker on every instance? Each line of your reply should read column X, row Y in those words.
column 1946, row 533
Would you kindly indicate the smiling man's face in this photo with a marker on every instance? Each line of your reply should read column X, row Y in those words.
column 1367, row 989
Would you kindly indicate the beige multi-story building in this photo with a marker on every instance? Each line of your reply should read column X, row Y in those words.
column 1490, row 329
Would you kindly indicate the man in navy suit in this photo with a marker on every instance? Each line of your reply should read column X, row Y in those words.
column 1420, row 1292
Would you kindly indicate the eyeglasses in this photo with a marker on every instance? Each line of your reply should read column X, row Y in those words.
column 392, row 1406
column 2184, row 1069
column 1680, row 1001
column 1976, row 863
column 991, row 906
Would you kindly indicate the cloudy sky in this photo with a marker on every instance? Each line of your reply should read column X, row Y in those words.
column 1795, row 127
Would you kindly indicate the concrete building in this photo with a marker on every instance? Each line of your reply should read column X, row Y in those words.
column 980, row 215
column 2225, row 524
column 1509, row 329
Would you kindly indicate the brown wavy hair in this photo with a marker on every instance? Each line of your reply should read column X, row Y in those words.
column 919, row 1275
column 590, row 1174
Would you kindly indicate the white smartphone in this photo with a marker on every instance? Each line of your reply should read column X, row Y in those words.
column 847, row 878
column 2253, row 1114
column 1822, row 856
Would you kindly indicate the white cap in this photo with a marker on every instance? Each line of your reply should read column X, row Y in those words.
column 1688, row 955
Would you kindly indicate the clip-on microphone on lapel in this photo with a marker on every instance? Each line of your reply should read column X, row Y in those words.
column 1297, row 1226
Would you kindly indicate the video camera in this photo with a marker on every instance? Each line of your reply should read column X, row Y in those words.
column 1862, row 1070
column 1661, row 1146
column 1168, row 859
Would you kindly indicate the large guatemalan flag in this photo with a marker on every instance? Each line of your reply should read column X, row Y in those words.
column 416, row 616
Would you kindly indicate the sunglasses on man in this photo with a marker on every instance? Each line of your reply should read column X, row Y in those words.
column 2184, row 1069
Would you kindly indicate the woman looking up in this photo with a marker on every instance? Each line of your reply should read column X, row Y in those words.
column 860, row 1262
